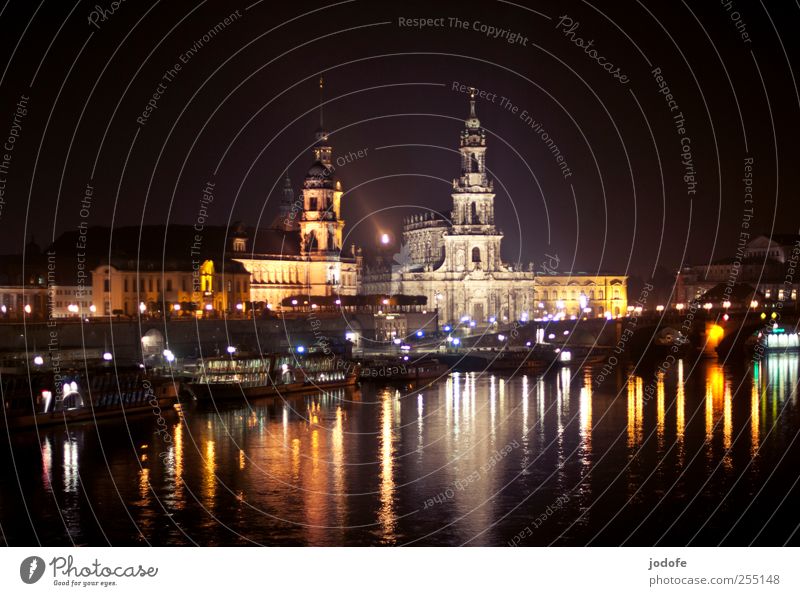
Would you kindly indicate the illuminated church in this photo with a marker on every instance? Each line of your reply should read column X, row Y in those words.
column 456, row 263
column 301, row 254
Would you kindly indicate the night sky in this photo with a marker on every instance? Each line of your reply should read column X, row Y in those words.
column 244, row 106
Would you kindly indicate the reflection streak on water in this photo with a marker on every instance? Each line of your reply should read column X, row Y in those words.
column 209, row 478
column 586, row 413
column 47, row 464
column 680, row 413
column 754, row 414
column 660, row 413
column 70, row 466
column 386, row 515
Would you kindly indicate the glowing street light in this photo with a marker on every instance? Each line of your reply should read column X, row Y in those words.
column 92, row 308
column 107, row 356
column 176, row 307
column 38, row 360
column 385, row 239
column 28, row 308
column 169, row 356
column 142, row 307
column 754, row 304
column 300, row 349
column 679, row 306
column 209, row 307
column 231, row 350
column 660, row 308
column 726, row 304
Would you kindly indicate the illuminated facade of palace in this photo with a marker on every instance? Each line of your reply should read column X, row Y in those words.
column 301, row 254
column 456, row 263
column 132, row 286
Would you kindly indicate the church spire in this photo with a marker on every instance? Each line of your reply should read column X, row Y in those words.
column 472, row 122
column 321, row 86
column 322, row 149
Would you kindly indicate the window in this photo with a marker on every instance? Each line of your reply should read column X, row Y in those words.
column 158, row 284
column 169, row 284
column 473, row 213
column 126, row 284
column 476, row 252
column 312, row 203
column 150, row 284
column 106, row 285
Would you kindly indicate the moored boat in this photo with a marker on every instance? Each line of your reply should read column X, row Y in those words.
column 247, row 376
column 75, row 395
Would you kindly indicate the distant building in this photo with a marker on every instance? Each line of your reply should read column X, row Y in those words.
column 454, row 260
column 762, row 263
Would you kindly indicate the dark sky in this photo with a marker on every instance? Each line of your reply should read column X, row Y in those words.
column 243, row 109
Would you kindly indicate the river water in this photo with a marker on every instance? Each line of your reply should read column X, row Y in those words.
column 701, row 454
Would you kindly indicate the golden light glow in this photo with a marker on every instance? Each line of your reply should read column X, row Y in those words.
column 210, row 469
column 754, row 417
column 386, row 515
column 660, row 410
column 586, row 412
column 680, row 412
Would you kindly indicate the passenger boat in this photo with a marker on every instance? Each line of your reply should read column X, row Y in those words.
column 77, row 395
column 251, row 375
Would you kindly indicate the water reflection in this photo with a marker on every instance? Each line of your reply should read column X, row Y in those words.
column 473, row 456
column 386, row 514
column 680, row 412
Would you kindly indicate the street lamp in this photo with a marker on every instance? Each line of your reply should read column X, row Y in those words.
column 231, row 350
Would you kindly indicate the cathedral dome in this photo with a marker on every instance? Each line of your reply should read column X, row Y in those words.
column 318, row 170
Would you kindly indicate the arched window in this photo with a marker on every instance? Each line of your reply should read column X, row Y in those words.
column 473, row 213
column 476, row 253
column 312, row 241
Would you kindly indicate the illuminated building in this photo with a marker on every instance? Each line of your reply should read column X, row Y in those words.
column 456, row 263
column 302, row 253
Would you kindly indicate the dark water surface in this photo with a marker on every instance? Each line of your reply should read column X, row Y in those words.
column 703, row 454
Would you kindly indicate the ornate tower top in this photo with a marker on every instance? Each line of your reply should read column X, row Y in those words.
column 473, row 135
column 322, row 150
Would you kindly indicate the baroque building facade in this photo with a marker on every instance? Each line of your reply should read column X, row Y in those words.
column 456, row 261
column 301, row 254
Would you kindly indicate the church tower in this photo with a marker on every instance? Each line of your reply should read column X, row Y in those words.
column 473, row 244
column 321, row 224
